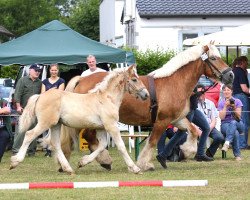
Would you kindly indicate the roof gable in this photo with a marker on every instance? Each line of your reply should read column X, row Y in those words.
column 193, row 8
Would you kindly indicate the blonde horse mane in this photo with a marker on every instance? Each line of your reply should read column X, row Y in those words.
column 183, row 58
column 100, row 87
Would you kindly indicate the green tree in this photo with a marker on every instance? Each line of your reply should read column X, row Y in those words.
column 84, row 18
column 23, row 16
column 9, row 71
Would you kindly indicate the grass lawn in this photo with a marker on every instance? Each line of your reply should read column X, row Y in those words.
column 227, row 179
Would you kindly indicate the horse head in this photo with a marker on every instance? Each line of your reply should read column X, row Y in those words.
column 134, row 85
column 215, row 67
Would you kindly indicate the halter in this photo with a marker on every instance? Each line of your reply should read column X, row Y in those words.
column 213, row 68
column 130, row 85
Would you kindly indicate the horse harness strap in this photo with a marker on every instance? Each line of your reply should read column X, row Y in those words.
column 153, row 100
column 205, row 58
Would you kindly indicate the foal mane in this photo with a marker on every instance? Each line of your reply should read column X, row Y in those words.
column 102, row 86
column 183, row 58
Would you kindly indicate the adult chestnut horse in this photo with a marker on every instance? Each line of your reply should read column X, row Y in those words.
column 174, row 83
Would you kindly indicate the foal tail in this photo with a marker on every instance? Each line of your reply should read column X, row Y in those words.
column 72, row 83
column 28, row 116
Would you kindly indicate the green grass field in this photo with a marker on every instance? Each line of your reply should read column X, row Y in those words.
column 227, row 179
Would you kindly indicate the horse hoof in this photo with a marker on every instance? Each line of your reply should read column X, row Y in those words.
column 12, row 167
column 79, row 165
column 60, row 170
column 106, row 166
column 151, row 169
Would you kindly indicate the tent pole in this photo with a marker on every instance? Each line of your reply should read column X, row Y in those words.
column 237, row 51
column 227, row 53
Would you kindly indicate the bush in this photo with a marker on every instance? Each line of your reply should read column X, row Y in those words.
column 150, row 60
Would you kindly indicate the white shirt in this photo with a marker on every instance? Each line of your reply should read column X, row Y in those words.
column 88, row 72
column 208, row 108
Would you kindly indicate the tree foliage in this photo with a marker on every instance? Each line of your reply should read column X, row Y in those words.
column 23, row 16
column 84, row 18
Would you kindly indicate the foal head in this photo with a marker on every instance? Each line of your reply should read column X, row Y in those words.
column 134, row 85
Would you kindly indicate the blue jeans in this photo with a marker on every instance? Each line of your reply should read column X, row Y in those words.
column 218, row 139
column 231, row 132
column 245, row 118
column 178, row 138
column 199, row 119
column 4, row 139
column 169, row 133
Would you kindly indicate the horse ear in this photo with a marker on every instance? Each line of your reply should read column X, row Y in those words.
column 205, row 48
column 212, row 42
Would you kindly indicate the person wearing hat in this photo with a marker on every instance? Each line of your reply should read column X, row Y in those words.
column 25, row 88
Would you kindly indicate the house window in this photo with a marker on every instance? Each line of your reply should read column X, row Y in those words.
column 189, row 36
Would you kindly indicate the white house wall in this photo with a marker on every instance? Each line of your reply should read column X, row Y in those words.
column 166, row 33
column 107, row 21
column 111, row 29
column 153, row 33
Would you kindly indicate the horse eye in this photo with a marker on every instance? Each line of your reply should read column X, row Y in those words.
column 134, row 79
column 213, row 58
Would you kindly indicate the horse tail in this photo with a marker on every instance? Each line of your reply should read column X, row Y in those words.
column 28, row 116
column 72, row 83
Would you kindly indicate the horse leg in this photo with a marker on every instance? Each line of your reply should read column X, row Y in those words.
column 56, row 144
column 28, row 138
column 116, row 136
column 144, row 159
column 103, row 157
column 189, row 147
column 102, row 138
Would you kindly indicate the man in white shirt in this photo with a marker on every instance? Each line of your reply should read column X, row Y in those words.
column 91, row 62
column 208, row 108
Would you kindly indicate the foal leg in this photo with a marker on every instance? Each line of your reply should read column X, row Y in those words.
column 116, row 136
column 102, row 138
column 56, row 144
column 28, row 138
column 103, row 157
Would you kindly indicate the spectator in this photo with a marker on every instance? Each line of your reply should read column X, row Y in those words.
column 241, row 91
column 54, row 81
column 231, row 123
column 208, row 108
column 25, row 88
column 5, row 127
column 198, row 118
column 91, row 62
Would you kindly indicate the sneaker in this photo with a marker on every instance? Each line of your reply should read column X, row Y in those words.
column 48, row 153
column 204, row 157
column 162, row 161
column 238, row 158
column 225, row 147
column 208, row 153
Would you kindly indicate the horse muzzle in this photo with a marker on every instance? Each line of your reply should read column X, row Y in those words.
column 143, row 94
column 227, row 76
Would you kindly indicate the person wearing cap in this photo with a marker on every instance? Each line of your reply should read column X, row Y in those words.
column 25, row 88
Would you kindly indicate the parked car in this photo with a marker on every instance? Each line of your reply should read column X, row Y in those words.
column 6, row 88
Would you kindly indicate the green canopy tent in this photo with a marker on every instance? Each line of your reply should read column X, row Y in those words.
column 55, row 42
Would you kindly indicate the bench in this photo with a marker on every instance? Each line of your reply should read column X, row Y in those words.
column 137, row 142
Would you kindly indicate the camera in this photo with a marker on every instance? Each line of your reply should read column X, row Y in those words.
column 231, row 101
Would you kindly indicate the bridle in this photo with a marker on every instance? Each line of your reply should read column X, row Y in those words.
column 131, row 87
column 213, row 68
